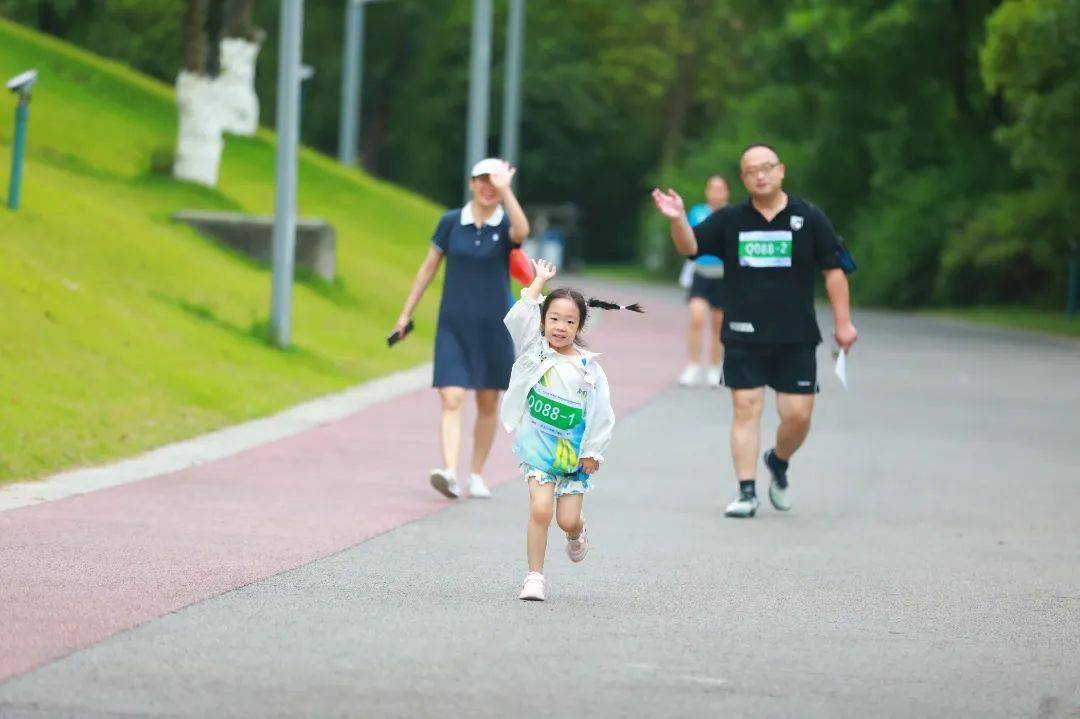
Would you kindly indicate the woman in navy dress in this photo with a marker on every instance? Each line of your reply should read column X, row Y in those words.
column 473, row 349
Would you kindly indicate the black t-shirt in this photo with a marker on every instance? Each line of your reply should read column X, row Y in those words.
column 769, row 269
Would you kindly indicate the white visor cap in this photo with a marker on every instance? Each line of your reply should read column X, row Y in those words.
column 487, row 166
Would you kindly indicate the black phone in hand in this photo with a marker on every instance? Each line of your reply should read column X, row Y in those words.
column 396, row 336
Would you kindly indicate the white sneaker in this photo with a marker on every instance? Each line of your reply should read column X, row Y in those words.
column 532, row 589
column 780, row 496
column 745, row 505
column 779, row 489
column 576, row 549
column 477, row 488
column 714, row 376
column 445, row 482
column 691, row 375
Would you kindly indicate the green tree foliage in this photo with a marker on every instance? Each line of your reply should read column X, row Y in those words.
column 938, row 134
column 1016, row 244
column 142, row 33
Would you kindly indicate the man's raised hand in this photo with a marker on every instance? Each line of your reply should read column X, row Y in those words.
column 669, row 203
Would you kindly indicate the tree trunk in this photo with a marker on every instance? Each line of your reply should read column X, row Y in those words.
column 958, row 58
column 682, row 86
column 239, row 20
column 215, row 22
column 678, row 102
column 195, row 36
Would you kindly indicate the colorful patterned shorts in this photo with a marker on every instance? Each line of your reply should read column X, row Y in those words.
column 576, row 483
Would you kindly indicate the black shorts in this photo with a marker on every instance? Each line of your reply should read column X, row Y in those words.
column 789, row 368
column 709, row 289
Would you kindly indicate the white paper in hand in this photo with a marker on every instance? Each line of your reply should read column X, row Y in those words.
column 841, row 367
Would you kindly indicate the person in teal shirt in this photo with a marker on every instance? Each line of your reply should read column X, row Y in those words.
column 704, row 280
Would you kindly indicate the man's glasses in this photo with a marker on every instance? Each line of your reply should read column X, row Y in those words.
column 764, row 169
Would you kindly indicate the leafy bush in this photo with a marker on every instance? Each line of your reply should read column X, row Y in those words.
column 1013, row 249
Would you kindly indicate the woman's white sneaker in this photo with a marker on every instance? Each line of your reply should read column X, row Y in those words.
column 691, row 375
column 532, row 589
column 445, row 482
column 576, row 549
column 714, row 377
column 477, row 488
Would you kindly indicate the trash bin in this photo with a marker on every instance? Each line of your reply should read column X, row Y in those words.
column 552, row 246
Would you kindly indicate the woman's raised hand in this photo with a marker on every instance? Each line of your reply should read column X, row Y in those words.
column 544, row 270
column 503, row 176
column 669, row 203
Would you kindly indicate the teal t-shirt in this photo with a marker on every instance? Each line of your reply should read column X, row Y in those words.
column 706, row 265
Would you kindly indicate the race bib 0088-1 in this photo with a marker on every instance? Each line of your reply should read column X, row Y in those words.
column 765, row 248
column 553, row 414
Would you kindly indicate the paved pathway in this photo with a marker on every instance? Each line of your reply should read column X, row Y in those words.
column 931, row 565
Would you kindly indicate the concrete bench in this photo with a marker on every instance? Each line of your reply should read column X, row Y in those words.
column 316, row 241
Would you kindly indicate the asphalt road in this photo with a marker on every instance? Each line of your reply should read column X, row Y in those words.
column 930, row 567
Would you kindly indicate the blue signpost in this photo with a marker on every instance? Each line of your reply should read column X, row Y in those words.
column 22, row 85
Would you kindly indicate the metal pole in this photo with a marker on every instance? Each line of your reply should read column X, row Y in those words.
column 511, row 130
column 288, row 123
column 18, row 150
column 479, row 88
column 352, row 78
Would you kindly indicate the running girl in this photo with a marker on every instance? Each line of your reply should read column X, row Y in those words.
column 559, row 403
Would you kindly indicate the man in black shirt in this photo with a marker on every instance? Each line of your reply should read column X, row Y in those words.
column 771, row 246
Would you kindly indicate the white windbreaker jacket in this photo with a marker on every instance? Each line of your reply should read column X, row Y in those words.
column 534, row 358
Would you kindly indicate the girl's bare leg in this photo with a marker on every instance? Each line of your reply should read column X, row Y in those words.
column 568, row 514
column 541, row 501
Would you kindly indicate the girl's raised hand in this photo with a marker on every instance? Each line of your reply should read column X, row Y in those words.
column 669, row 203
column 544, row 270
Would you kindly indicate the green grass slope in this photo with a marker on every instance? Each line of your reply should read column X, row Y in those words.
column 121, row 330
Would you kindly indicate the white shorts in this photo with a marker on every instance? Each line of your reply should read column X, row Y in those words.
column 576, row 483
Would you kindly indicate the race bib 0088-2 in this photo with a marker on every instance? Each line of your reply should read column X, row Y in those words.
column 765, row 248
column 553, row 414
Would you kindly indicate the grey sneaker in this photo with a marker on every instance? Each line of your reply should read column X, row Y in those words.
column 779, row 491
column 745, row 505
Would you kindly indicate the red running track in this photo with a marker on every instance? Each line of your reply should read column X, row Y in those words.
column 76, row 571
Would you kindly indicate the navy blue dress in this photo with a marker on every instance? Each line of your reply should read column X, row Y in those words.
column 473, row 348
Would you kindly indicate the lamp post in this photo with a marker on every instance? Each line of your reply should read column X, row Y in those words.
column 22, row 85
column 288, row 126
column 479, row 88
column 352, row 78
column 352, row 82
column 511, row 129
